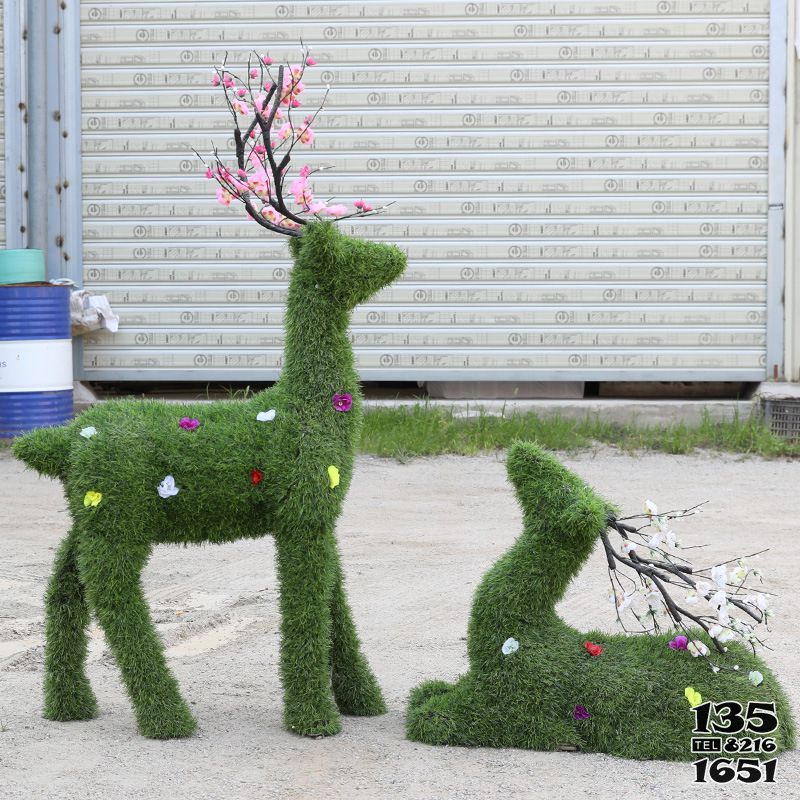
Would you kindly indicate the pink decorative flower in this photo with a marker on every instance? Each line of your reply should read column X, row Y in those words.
column 342, row 402
column 679, row 643
column 580, row 713
column 311, row 62
column 189, row 424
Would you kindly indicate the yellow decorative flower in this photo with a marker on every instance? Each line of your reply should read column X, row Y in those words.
column 694, row 698
column 333, row 476
column 92, row 499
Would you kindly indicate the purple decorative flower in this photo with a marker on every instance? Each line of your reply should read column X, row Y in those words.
column 189, row 424
column 581, row 713
column 343, row 402
column 679, row 643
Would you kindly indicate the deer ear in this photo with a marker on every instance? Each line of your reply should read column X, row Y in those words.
column 295, row 243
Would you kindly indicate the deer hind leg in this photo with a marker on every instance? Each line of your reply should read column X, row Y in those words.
column 354, row 686
column 111, row 565
column 305, row 560
column 67, row 693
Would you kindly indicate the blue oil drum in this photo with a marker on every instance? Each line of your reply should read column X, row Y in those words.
column 35, row 357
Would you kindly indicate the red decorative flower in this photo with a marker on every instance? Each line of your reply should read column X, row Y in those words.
column 256, row 476
column 594, row 649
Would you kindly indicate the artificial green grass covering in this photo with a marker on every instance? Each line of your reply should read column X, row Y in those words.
column 550, row 692
column 425, row 430
column 279, row 463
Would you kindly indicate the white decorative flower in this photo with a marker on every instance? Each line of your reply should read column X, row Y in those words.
column 727, row 635
column 738, row 573
column 655, row 540
column 624, row 602
column 650, row 508
column 722, row 616
column 167, row 487
column 697, row 648
column 703, row 588
column 266, row 416
column 714, row 631
column 756, row 678
column 510, row 645
column 672, row 540
column 691, row 598
column 628, row 547
column 719, row 575
column 87, row 433
column 719, row 599
column 761, row 601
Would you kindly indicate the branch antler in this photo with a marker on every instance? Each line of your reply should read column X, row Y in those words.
column 261, row 170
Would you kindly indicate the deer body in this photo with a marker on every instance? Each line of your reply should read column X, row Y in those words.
column 634, row 691
column 138, row 443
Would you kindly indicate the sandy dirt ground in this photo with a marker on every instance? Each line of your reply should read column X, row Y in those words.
column 416, row 539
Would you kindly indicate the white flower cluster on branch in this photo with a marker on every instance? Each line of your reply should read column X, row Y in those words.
column 655, row 584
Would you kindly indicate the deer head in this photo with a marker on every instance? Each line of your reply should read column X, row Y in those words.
column 348, row 271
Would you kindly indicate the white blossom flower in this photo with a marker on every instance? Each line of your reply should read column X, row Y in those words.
column 719, row 599
column 697, row 648
column 722, row 616
column 655, row 540
column 628, row 547
column 510, row 645
column 672, row 540
column 266, row 416
column 87, row 433
column 719, row 575
column 756, row 678
column 703, row 588
column 714, row 631
column 650, row 508
column 167, row 487
column 738, row 573
column 727, row 635
column 624, row 602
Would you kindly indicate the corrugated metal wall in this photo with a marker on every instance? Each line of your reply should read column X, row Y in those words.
column 581, row 187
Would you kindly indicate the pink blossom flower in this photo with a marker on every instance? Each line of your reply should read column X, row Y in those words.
column 224, row 196
column 241, row 173
column 343, row 402
column 285, row 131
column 228, row 81
column 306, row 136
column 215, row 79
column 311, row 62
column 358, row 203
column 295, row 103
column 253, row 73
column 305, row 171
column 209, row 172
column 316, row 206
column 336, row 210
column 241, row 92
column 266, row 60
column 241, row 107
column 189, row 424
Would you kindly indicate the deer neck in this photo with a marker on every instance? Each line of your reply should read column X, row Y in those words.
column 318, row 356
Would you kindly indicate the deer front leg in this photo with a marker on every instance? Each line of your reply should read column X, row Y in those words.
column 354, row 686
column 111, row 563
column 305, row 559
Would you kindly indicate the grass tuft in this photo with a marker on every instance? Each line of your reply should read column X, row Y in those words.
column 423, row 430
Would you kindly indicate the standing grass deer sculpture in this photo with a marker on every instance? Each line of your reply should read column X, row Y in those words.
column 141, row 473
column 535, row 682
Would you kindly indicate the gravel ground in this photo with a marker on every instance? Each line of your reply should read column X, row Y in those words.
column 416, row 539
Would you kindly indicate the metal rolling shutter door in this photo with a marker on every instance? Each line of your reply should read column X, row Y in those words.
column 582, row 194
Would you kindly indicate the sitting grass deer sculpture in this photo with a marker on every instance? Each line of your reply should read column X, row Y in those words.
column 141, row 473
column 548, row 691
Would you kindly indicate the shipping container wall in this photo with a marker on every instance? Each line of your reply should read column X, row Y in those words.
column 581, row 189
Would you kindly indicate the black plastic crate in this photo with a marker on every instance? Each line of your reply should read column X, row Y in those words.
column 783, row 417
